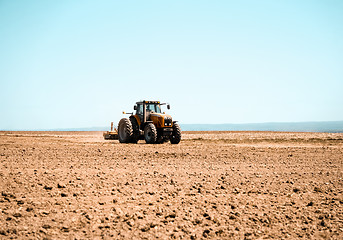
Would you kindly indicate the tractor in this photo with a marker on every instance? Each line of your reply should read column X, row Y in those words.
column 149, row 124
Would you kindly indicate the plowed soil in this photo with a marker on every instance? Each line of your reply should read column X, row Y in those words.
column 216, row 185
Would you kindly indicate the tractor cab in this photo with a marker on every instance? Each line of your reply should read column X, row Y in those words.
column 146, row 109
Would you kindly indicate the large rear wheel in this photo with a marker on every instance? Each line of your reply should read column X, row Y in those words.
column 175, row 138
column 135, row 130
column 150, row 133
column 125, row 130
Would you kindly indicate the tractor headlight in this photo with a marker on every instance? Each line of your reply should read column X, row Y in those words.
column 167, row 121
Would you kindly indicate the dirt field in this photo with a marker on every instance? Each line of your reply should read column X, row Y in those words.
column 221, row 185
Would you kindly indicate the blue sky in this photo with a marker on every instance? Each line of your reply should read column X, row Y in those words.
column 66, row 64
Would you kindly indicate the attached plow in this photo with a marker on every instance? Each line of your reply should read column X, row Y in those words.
column 111, row 135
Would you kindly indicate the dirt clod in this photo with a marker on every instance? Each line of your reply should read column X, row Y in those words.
column 17, row 215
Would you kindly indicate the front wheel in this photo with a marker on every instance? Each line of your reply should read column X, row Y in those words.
column 175, row 138
column 150, row 133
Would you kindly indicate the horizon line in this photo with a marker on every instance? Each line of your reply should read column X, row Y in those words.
column 184, row 124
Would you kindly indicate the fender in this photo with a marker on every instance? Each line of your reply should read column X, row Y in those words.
column 137, row 119
column 143, row 125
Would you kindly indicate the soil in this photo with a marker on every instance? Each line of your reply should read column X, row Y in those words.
column 216, row 185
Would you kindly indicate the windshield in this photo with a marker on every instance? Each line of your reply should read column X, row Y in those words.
column 153, row 107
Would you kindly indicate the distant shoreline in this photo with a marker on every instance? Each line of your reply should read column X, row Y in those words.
column 334, row 126
column 328, row 127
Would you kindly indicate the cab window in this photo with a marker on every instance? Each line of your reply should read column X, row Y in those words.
column 158, row 108
column 153, row 107
column 150, row 107
column 139, row 109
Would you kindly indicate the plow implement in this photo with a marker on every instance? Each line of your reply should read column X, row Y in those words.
column 111, row 135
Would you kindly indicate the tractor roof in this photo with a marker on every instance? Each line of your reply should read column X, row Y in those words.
column 149, row 102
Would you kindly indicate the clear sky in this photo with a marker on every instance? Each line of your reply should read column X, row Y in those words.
column 68, row 64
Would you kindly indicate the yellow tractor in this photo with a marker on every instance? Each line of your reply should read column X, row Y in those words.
column 150, row 124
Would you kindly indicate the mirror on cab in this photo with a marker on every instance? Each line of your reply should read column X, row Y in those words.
column 168, row 106
column 135, row 107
